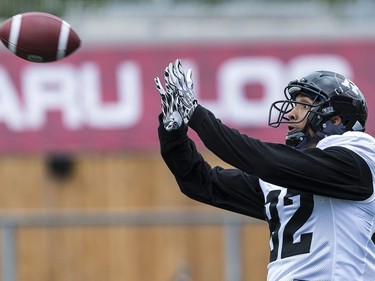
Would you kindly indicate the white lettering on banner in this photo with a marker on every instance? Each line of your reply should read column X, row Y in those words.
column 123, row 113
column 10, row 108
column 303, row 65
column 273, row 75
column 47, row 88
column 234, row 75
column 75, row 91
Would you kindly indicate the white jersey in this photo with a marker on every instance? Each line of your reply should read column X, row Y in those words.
column 317, row 238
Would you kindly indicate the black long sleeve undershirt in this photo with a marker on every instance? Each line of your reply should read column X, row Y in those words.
column 230, row 189
column 334, row 172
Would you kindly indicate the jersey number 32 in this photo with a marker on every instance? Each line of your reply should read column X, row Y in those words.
column 283, row 227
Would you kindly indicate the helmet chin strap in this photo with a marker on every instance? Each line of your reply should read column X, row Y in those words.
column 302, row 139
column 298, row 139
column 329, row 129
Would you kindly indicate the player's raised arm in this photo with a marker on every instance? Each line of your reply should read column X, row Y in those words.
column 328, row 172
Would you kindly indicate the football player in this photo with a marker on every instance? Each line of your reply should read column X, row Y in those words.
column 316, row 191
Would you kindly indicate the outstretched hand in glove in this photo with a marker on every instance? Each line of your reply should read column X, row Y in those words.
column 182, row 83
column 177, row 99
column 169, row 104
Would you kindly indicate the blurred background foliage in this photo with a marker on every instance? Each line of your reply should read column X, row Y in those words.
column 132, row 21
column 9, row 8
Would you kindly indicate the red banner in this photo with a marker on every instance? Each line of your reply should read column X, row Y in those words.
column 103, row 98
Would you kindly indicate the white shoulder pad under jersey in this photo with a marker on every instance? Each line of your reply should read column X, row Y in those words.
column 351, row 140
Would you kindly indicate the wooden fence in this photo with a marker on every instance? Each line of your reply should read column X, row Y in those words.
column 129, row 183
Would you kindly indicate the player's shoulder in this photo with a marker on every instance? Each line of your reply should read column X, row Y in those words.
column 349, row 139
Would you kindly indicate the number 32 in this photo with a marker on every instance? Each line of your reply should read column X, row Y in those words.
column 303, row 210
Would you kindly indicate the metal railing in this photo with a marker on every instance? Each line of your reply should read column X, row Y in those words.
column 10, row 223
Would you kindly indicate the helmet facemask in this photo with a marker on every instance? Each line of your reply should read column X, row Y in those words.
column 279, row 114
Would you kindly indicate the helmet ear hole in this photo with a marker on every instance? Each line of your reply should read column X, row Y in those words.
column 336, row 120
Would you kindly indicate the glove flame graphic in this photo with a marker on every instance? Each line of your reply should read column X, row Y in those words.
column 177, row 99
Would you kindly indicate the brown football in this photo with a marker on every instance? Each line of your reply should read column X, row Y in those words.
column 39, row 37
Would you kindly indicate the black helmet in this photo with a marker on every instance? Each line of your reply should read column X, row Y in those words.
column 333, row 95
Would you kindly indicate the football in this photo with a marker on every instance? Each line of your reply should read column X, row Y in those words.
column 39, row 37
